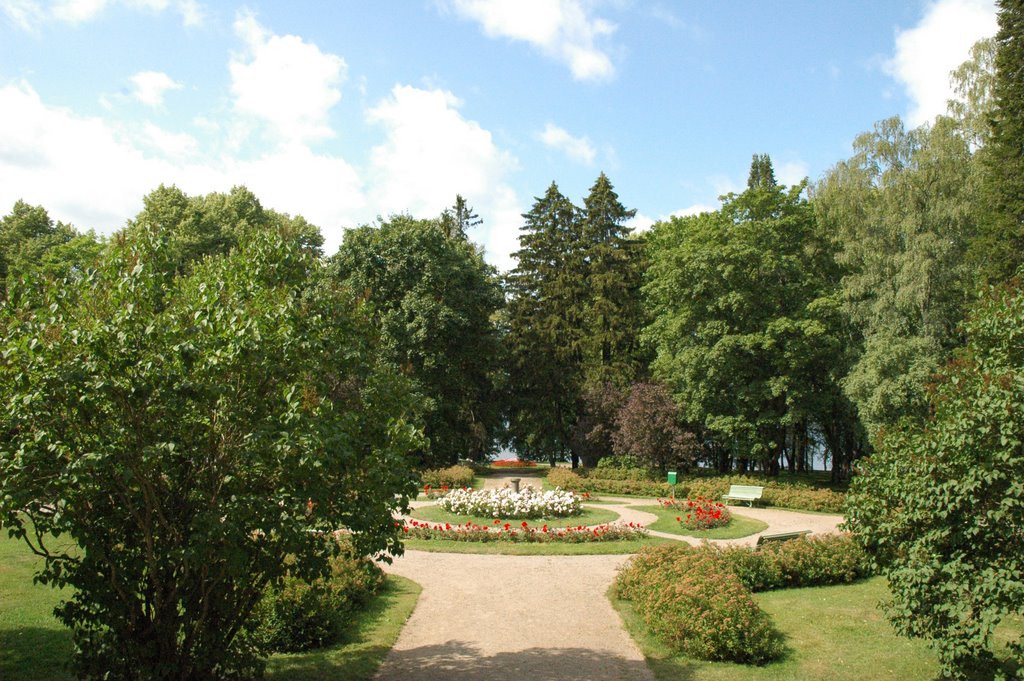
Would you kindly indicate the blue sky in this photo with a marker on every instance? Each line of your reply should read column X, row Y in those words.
column 343, row 111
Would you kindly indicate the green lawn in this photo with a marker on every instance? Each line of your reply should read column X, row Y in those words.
column 590, row 516
column 34, row 645
column 833, row 633
column 368, row 641
column 741, row 526
column 524, row 549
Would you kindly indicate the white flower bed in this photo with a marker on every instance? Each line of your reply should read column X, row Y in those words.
column 505, row 503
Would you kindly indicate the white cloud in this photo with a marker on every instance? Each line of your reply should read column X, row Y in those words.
column 151, row 86
column 285, row 82
column 695, row 209
column 77, row 167
column 791, row 172
column 926, row 53
column 431, row 153
column 577, row 148
column 174, row 145
column 640, row 222
column 29, row 14
column 86, row 172
column 562, row 29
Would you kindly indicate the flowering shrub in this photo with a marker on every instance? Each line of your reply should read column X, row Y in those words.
column 699, row 514
column 513, row 463
column 696, row 605
column 505, row 503
column 523, row 533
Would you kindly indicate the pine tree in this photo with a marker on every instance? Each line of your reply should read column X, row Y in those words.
column 1003, row 241
column 611, row 315
column 544, row 327
column 459, row 219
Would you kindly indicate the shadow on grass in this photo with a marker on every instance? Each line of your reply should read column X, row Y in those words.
column 455, row 660
column 32, row 653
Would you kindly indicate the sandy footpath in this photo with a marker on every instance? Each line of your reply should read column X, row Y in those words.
column 533, row 618
column 512, row 617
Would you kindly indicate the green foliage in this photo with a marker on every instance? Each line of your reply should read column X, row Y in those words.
column 545, row 328
column 567, row 479
column 744, row 329
column 940, row 506
column 296, row 615
column 809, row 561
column 453, row 477
column 901, row 210
column 573, row 318
column 592, row 433
column 1001, row 245
column 187, row 431
column 612, row 314
column 31, row 244
column 433, row 298
column 696, row 605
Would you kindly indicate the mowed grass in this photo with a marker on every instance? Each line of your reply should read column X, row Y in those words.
column 741, row 525
column 590, row 516
column 833, row 633
column 35, row 646
column 508, row 548
column 366, row 643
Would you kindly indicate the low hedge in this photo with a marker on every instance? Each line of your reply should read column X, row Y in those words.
column 300, row 615
column 811, row 561
column 453, row 477
column 696, row 605
column 632, row 481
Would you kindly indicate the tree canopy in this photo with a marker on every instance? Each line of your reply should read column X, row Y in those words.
column 188, row 432
column 434, row 299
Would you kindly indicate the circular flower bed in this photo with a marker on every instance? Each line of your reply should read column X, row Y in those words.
column 506, row 503
column 523, row 533
column 699, row 513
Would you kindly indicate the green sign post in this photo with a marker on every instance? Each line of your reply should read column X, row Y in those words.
column 672, row 477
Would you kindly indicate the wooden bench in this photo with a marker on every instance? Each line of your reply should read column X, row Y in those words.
column 747, row 493
column 781, row 537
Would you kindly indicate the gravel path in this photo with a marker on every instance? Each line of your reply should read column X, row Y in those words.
column 533, row 618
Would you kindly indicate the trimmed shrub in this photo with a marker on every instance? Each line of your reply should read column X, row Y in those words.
column 454, row 477
column 611, row 473
column 300, row 615
column 696, row 605
column 566, row 478
column 809, row 561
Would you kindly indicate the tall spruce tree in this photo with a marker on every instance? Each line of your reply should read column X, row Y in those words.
column 546, row 306
column 611, row 315
column 1002, row 240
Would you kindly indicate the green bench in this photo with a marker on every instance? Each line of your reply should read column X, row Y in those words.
column 747, row 493
column 781, row 537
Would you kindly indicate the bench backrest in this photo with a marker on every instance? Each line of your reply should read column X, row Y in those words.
column 745, row 490
column 781, row 537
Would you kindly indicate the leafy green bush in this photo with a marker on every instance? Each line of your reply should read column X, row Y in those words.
column 633, row 487
column 776, row 492
column 611, row 473
column 301, row 615
column 568, row 479
column 454, row 477
column 812, row 561
column 696, row 605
